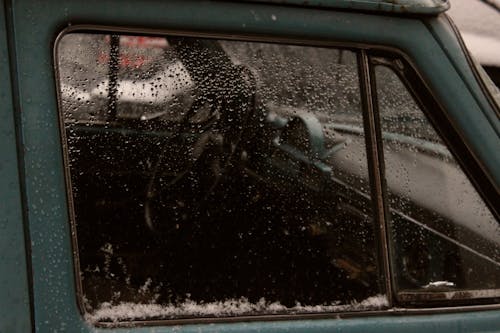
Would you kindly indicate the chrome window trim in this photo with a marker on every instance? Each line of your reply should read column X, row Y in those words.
column 375, row 167
column 445, row 296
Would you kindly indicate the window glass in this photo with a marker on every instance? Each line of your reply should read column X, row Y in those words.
column 445, row 239
column 216, row 178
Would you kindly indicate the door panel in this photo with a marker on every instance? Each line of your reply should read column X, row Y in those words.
column 36, row 26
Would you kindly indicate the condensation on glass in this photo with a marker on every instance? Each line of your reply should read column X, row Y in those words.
column 445, row 239
column 216, row 178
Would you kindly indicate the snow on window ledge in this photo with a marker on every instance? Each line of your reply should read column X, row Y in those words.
column 232, row 307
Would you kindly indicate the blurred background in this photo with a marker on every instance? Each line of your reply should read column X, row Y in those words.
column 479, row 24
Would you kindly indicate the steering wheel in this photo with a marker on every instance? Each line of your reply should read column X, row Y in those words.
column 200, row 153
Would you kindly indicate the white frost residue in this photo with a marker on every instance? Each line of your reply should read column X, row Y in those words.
column 231, row 307
column 437, row 284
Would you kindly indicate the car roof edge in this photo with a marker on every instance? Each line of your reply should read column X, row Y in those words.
column 402, row 7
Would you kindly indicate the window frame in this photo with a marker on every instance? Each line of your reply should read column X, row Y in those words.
column 287, row 41
column 435, row 113
column 365, row 54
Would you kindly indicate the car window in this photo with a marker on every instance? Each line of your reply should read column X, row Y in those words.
column 445, row 240
column 216, row 178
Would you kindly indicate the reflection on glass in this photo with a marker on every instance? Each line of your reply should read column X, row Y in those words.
column 216, row 178
column 444, row 237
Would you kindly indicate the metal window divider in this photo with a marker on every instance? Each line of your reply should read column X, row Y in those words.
column 375, row 158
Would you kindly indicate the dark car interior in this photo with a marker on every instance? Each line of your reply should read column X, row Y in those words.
column 222, row 210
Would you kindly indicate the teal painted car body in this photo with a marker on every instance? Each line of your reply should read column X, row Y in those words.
column 37, row 282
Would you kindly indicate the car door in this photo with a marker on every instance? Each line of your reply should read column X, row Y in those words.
column 315, row 177
column 14, row 294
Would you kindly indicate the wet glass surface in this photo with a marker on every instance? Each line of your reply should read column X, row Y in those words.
column 209, row 173
column 445, row 238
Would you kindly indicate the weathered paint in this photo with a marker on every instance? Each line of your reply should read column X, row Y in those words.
column 414, row 7
column 14, row 291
